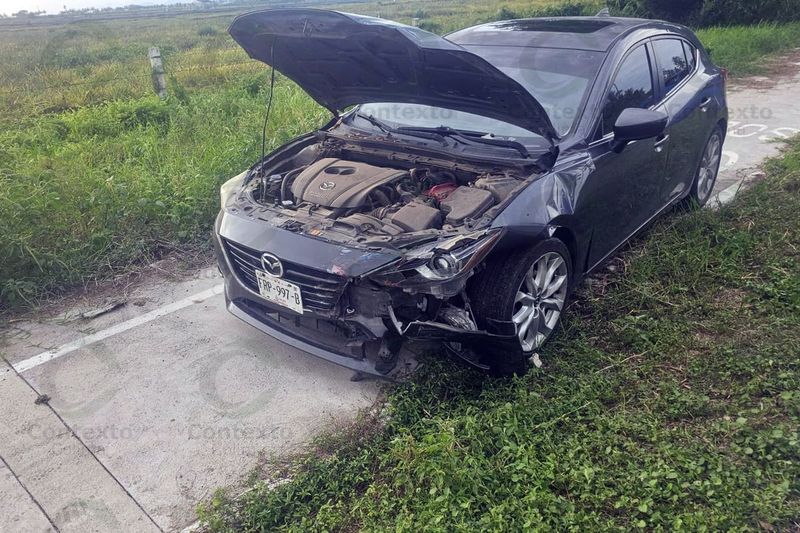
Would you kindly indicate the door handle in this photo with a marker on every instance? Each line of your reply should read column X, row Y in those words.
column 705, row 104
column 660, row 142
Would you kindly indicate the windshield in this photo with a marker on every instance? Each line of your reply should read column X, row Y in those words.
column 558, row 79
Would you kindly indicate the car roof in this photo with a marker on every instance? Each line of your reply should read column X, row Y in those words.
column 573, row 33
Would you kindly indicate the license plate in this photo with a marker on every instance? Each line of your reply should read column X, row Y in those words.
column 279, row 291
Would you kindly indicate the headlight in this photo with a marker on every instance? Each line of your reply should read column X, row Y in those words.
column 456, row 256
column 441, row 260
column 229, row 188
column 442, row 266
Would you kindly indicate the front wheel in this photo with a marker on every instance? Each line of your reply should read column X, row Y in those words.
column 528, row 288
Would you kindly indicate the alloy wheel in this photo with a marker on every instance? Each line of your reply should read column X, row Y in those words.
column 540, row 300
column 709, row 168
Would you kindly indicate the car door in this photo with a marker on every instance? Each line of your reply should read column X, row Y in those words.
column 688, row 108
column 623, row 192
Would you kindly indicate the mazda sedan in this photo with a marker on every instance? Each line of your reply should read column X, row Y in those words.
column 465, row 184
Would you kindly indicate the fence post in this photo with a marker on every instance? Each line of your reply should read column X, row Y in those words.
column 159, row 81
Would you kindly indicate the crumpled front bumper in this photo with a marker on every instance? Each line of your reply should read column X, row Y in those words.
column 347, row 339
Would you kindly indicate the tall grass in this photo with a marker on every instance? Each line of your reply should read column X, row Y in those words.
column 88, row 191
column 742, row 49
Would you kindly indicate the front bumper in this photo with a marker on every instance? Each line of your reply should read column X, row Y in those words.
column 348, row 335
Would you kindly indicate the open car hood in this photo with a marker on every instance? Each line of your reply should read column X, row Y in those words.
column 342, row 59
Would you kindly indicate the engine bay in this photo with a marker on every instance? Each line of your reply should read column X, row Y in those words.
column 359, row 194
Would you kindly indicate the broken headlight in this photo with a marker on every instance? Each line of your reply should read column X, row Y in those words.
column 440, row 261
column 230, row 188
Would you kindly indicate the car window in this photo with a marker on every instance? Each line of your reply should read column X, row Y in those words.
column 632, row 87
column 672, row 62
column 691, row 55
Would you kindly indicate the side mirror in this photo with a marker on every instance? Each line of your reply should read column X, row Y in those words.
column 636, row 124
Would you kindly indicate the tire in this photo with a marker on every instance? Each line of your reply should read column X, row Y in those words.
column 705, row 176
column 495, row 295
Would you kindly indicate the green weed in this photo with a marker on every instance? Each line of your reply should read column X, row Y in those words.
column 89, row 191
column 742, row 49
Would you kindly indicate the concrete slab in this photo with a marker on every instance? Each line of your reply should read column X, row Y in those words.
column 27, row 338
column 760, row 118
column 184, row 404
column 18, row 512
column 72, row 487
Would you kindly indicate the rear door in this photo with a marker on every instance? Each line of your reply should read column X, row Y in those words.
column 691, row 109
column 625, row 187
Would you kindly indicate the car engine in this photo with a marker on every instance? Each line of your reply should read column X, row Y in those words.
column 357, row 197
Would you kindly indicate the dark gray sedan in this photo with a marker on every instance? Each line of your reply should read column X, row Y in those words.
column 465, row 184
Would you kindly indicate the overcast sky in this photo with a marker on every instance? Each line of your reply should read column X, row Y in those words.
column 54, row 6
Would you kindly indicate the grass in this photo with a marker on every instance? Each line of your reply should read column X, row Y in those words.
column 98, row 177
column 742, row 49
column 670, row 400
column 89, row 191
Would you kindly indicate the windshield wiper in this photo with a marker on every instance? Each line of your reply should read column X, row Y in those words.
column 375, row 122
column 384, row 127
column 470, row 136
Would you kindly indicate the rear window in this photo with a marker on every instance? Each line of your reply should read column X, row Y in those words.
column 672, row 62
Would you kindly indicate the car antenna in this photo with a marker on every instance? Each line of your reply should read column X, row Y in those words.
column 604, row 13
column 266, row 118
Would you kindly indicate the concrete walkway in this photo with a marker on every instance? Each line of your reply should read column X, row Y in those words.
column 156, row 404
column 165, row 406
column 763, row 112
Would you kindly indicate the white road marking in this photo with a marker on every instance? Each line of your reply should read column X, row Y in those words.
column 786, row 132
column 748, row 130
column 36, row 360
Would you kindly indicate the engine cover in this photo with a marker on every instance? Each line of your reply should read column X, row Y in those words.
column 340, row 184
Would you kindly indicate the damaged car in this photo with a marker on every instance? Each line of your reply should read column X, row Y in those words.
column 465, row 184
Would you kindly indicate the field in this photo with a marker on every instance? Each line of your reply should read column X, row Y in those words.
column 99, row 176
column 669, row 401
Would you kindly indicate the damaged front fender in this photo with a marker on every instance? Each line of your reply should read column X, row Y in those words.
column 440, row 268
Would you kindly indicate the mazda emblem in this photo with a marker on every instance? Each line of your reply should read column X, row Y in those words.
column 327, row 185
column 272, row 265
